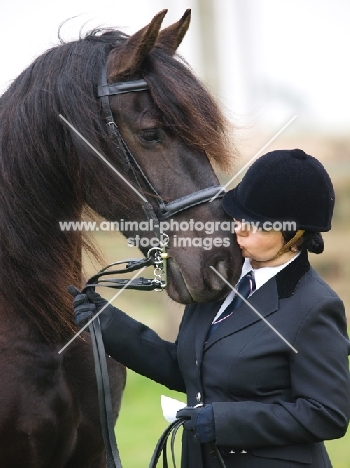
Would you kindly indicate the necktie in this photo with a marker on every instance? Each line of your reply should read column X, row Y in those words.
column 245, row 287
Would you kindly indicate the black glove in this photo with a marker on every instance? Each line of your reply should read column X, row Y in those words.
column 83, row 309
column 200, row 420
column 89, row 304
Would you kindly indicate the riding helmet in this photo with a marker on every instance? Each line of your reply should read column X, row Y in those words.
column 284, row 185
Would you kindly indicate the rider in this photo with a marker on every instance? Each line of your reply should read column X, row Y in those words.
column 270, row 381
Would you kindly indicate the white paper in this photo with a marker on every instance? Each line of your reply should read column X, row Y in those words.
column 170, row 407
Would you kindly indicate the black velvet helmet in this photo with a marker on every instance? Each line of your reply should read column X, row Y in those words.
column 284, row 185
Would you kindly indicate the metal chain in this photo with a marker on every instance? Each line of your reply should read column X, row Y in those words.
column 160, row 257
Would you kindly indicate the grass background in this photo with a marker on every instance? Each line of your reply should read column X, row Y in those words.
column 141, row 422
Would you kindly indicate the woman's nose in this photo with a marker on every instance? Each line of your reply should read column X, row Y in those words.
column 241, row 229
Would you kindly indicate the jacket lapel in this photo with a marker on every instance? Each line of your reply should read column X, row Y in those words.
column 265, row 301
column 203, row 322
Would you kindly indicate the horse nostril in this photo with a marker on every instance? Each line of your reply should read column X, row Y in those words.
column 221, row 268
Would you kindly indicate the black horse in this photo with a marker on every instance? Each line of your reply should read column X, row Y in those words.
column 48, row 401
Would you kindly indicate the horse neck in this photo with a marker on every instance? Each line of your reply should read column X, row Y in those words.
column 38, row 262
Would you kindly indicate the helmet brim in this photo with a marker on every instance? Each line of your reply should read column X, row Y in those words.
column 234, row 208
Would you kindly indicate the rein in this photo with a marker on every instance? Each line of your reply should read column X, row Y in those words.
column 156, row 256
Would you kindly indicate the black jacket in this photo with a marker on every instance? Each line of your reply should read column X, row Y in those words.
column 276, row 405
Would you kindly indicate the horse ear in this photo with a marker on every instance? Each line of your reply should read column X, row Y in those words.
column 171, row 37
column 128, row 59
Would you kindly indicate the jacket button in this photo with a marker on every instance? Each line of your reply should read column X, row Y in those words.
column 198, row 397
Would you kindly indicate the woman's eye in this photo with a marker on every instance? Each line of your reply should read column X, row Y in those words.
column 152, row 135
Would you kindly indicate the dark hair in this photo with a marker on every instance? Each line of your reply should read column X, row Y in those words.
column 45, row 170
column 310, row 241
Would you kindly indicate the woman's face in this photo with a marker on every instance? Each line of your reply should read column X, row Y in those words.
column 260, row 246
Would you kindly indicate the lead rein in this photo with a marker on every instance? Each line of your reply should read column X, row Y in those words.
column 156, row 256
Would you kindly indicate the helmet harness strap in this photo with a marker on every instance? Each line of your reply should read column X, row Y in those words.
column 285, row 247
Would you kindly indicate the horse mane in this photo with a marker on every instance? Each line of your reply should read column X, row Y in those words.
column 188, row 108
column 44, row 169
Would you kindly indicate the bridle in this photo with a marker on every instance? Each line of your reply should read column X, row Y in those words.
column 165, row 210
column 156, row 256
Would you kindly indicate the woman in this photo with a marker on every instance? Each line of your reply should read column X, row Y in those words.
column 267, row 381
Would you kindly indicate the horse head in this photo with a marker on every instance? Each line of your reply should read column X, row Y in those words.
column 173, row 132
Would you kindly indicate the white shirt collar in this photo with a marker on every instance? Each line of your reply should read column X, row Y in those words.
column 261, row 276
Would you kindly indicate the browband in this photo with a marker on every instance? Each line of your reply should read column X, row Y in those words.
column 121, row 88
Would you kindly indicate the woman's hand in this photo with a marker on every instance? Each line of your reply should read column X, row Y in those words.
column 89, row 304
column 199, row 420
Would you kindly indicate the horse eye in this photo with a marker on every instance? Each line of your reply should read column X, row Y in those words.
column 151, row 135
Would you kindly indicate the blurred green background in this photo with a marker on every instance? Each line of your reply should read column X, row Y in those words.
column 141, row 422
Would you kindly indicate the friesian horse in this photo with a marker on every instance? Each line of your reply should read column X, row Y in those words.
column 176, row 132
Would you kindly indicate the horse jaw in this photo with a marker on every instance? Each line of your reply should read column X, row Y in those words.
column 177, row 289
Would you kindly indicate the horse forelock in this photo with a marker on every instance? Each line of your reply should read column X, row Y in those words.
column 186, row 105
column 188, row 108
